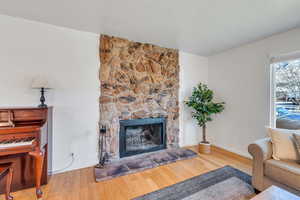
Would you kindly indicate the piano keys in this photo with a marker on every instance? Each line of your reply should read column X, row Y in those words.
column 16, row 142
column 25, row 138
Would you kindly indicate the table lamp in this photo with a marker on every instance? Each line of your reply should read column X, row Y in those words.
column 43, row 85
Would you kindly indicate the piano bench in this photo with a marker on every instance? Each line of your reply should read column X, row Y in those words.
column 6, row 170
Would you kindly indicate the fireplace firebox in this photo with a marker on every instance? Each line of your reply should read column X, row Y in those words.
column 142, row 135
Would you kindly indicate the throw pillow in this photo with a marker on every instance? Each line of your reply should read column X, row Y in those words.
column 283, row 144
column 297, row 143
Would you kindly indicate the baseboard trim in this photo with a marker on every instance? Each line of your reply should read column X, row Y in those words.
column 231, row 154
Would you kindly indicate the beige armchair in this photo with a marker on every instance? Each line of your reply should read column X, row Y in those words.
column 267, row 171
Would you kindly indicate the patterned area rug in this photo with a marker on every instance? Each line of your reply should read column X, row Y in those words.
column 226, row 183
column 139, row 163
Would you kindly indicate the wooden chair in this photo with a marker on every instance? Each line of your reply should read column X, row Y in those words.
column 7, row 170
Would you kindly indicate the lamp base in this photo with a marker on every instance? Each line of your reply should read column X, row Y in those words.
column 42, row 99
column 42, row 106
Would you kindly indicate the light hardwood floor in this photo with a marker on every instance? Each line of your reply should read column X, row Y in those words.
column 80, row 184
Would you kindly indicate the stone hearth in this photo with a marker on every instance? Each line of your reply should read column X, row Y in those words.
column 142, row 162
column 137, row 81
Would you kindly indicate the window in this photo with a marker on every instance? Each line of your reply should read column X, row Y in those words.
column 286, row 93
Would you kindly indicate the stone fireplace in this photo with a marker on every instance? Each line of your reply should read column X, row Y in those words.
column 138, row 82
column 142, row 135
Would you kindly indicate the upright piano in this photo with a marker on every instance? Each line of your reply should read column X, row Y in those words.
column 26, row 141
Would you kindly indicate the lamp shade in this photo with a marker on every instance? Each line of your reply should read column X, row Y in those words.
column 40, row 82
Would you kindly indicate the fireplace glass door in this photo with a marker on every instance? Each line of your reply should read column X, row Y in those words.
column 141, row 135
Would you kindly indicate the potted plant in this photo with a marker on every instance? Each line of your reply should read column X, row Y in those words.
column 203, row 107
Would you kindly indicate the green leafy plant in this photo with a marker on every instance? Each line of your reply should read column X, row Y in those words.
column 203, row 106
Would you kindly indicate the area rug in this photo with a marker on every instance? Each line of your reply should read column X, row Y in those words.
column 142, row 162
column 226, row 183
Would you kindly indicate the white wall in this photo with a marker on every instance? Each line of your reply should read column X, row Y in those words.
column 193, row 70
column 241, row 78
column 69, row 60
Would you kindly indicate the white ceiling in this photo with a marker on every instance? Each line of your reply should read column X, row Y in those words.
column 203, row 27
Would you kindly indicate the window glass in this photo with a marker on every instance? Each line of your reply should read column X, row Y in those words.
column 287, row 94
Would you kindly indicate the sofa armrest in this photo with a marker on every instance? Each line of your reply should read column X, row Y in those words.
column 260, row 150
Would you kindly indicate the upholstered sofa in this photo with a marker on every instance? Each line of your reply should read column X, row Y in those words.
column 267, row 171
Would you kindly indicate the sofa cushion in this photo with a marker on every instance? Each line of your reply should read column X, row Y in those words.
column 285, row 172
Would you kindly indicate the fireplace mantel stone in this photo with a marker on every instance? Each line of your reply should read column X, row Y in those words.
column 137, row 81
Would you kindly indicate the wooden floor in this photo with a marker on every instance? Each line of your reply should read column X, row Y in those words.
column 80, row 184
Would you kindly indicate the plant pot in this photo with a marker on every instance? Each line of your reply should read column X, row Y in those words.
column 204, row 148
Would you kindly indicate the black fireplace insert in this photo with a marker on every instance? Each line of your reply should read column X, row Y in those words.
column 142, row 135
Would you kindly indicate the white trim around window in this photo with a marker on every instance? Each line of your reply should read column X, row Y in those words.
column 285, row 57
